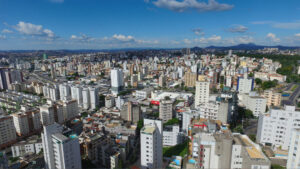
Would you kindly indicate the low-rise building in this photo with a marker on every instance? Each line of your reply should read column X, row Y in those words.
column 172, row 135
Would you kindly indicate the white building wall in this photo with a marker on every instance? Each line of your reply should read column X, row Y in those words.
column 86, row 98
column 202, row 93
column 245, row 84
column 60, row 151
column 151, row 145
column 94, row 98
column 47, row 114
column 172, row 138
column 294, row 151
column 21, row 124
column 76, row 92
column 276, row 126
column 236, row 157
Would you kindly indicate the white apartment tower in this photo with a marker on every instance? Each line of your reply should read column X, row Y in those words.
column 294, row 150
column 245, row 84
column 94, row 97
column 276, row 127
column 60, row 151
column 21, row 123
column 70, row 109
column 86, row 98
column 76, row 92
column 151, row 144
column 187, row 116
column 116, row 76
column 64, row 91
column 202, row 93
column 47, row 114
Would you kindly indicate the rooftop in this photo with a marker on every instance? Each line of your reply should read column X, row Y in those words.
column 148, row 129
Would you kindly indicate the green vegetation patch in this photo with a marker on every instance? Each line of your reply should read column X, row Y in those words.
column 178, row 150
column 172, row 122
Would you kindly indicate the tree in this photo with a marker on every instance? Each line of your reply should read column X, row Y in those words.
column 239, row 129
column 248, row 114
column 258, row 81
column 269, row 84
column 140, row 124
column 252, row 137
column 120, row 164
column 222, row 79
column 276, row 166
column 172, row 122
column 222, row 86
column 251, row 74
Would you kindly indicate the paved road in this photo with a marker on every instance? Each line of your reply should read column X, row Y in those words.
column 293, row 98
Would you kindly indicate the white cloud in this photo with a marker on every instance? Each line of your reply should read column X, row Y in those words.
column 280, row 25
column 147, row 42
column 34, row 30
column 198, row 31
column 297, row 35
column 272, row 37
column 181, row 6
column 82, row 37
column 187, row 41
column 238, row 29
column 245, row 39
column 214, row 38
column 2, row 37
column 175, row 42
column 123, row 37
column 117, row 40
column 210, row 40
column 7, row 31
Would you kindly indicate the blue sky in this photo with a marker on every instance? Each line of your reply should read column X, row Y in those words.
column 105, row 24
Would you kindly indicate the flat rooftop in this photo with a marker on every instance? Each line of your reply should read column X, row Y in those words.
column 148, row 129
column 252, row 151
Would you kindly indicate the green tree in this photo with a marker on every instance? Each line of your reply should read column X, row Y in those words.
column 172, row 122
column 258, row 81
column 251, row 74
column 238, row 129
column 252, row 137
column 248, row 114
column 276, row 166
column 269, row 84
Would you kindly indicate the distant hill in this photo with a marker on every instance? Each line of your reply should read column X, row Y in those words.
column 249, row 46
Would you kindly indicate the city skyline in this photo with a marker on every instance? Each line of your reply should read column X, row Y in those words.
column 78, row 24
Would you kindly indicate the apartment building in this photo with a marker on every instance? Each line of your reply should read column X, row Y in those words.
column 293, row 160
column 246, row 154
column 275, row 127
column 190, row 79
column 254, row 102
column 21, row 124
column 166, row 110
column 151, row 144
column 7, row 131
column 172, row 135
column 202, row 92
column 245, row 84
column 273, row 98
column 60, row 151
column 216, row 111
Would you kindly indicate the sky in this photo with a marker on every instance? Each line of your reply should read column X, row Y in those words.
column 111, row 24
